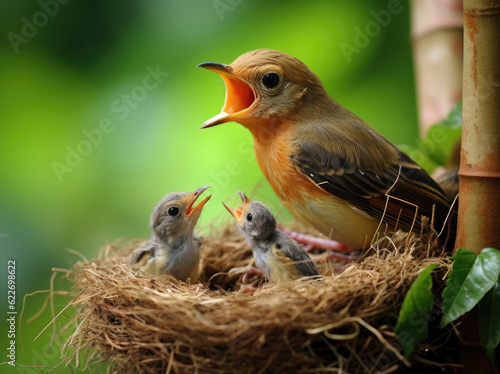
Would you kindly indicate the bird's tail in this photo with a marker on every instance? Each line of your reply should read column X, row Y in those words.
column 449, row 184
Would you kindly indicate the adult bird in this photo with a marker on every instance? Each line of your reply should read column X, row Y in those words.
column 279, row 257
column 329, row 168
column 173, row 248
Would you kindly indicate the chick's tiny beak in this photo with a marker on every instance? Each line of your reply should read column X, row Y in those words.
column 191, row 199
column 239, row 95
column 238, row 212
column 243, row 197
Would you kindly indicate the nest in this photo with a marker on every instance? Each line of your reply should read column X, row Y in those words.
column 342, row 322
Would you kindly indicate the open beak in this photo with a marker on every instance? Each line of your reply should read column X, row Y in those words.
column 191, row 199
column 237, row 212
column 239, row 95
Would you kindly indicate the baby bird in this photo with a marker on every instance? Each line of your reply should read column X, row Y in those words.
column 280, row 257
column 173, row 249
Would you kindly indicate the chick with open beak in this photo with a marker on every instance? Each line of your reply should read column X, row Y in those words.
column 279, row 257
column 173, row 248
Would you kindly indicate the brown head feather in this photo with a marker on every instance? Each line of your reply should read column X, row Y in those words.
column 292, row 68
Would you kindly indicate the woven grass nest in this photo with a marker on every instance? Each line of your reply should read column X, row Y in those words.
column 341, row 323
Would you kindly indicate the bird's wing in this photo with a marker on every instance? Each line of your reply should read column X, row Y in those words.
column 293, row 251
column 393, row 192
column 143, row 253
column 151, row 257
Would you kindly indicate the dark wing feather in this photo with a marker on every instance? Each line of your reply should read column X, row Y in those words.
column 296, row 253
column 143, row 253
column 407, row 184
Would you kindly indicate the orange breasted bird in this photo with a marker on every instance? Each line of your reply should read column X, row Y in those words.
column 173, row 248
column 278, row 256
column 330, row 169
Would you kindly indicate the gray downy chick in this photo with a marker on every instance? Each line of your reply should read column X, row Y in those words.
column 280, row 257
column 173, row 248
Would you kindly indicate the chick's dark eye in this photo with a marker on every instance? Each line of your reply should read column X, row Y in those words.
column 271, row 80
column 249, row 217
column 173, row 211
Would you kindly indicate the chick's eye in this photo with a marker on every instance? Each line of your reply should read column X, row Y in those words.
column 249, row 217
column 173, row 211
column 271, row 80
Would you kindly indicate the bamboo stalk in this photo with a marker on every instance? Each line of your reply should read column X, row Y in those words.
column 437, row 38
column 479, row 174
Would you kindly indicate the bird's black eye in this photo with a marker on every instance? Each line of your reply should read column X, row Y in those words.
column 173, row 211
column 278, row 245
column 249, row 217
column 271, row 80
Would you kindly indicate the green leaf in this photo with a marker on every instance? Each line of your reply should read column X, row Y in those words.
column 437, row 146
column 413, row 322
column 454, row 118
column 471, row 277
column 489, row 320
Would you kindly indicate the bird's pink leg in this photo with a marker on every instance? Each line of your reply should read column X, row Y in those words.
column 251, row 271
column 311, row 242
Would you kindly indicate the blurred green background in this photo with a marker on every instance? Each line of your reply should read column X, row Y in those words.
column 85, row 63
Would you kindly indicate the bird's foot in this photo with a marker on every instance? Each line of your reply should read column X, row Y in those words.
column 312, row 242
column 247, row 272
column 246, row 289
